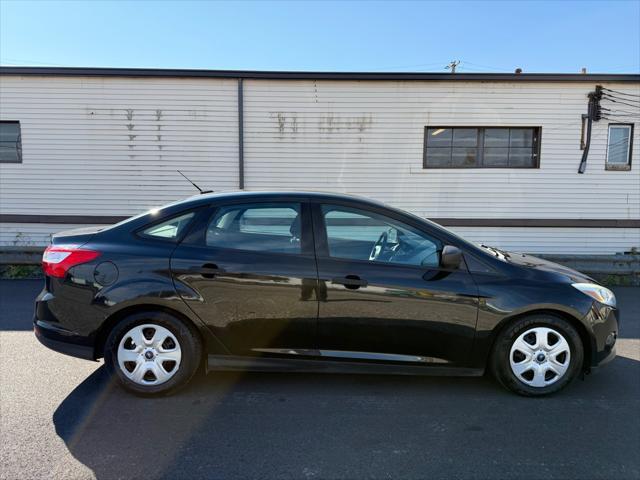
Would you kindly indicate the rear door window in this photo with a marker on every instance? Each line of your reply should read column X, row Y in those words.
column 265, row 227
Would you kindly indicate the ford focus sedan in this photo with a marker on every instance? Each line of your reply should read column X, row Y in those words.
column 314, row 282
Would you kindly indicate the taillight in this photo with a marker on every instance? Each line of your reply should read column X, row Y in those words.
column 57, row 260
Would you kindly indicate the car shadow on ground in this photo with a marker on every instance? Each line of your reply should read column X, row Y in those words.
column 328, row 426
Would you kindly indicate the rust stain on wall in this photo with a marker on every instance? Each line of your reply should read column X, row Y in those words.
column 281, row 122
column 330, row 123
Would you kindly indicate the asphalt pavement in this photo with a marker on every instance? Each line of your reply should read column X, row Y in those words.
column 61, row 417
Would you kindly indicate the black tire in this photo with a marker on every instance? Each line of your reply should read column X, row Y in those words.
column 190, row 347
column 500, row 362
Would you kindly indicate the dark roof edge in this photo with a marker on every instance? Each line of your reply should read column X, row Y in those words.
column 249, row 74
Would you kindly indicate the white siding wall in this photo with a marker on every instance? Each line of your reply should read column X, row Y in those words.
column 367, row 138
column 110, row 146
column 30, row 234
column 587, row 241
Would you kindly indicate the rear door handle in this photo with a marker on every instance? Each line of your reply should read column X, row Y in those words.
column 210, row 270
column 352, row 282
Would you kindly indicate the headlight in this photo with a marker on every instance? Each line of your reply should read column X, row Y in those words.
column 597, row 292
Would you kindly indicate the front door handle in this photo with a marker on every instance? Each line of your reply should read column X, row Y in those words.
column 210, row 270
column 352, row 282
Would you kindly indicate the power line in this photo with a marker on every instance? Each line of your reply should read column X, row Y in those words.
column 621, row 102
column 615, row 95
column 623, row 99
column 622, row 113
column 621, row 93
column 619, row 111
column 409, row 66
column 486, row 66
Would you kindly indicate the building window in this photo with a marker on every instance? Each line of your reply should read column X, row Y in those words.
column 10, row 142
column 619, row 147
column 485, row 147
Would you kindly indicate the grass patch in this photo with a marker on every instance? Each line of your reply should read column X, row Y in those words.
column 20, row 271
column 619, row 280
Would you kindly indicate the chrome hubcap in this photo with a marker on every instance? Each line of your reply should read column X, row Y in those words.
column 540, row 357
column 149, row 354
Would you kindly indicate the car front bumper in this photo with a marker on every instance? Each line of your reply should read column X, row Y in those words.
column 603, row 321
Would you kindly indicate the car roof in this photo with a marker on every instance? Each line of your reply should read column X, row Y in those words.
column 275, row 195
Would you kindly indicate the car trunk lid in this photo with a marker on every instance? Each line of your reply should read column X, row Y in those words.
column 76, row 236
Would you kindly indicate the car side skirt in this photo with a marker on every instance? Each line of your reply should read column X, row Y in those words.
column 268, row 364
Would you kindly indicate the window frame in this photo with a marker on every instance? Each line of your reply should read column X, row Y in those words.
column 18, row 142
column 536, row 148
column 620, row 167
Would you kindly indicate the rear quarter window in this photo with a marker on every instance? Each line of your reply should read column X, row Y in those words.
column 170, row 230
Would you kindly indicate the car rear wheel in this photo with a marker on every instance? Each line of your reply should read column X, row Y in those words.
column 153, row 353
column 537, row 355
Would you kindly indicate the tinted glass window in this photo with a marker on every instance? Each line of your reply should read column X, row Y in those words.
column 10, row 142
column 451, row 147
column 170, row 229
column 619, row 145
column 360, row 235
column 461, row 147
column 268, row 227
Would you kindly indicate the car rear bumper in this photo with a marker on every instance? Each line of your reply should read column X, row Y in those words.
column 53, row 339
column 53, row 334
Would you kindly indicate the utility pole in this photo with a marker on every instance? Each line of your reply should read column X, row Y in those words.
column 452, row 65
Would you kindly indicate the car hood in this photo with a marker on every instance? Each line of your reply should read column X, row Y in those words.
column 536, row 263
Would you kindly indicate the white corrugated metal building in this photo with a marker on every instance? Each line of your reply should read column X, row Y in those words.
column 493, row 156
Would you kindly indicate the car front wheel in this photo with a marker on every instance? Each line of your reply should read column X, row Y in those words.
column 152, row 353
column 537, row 355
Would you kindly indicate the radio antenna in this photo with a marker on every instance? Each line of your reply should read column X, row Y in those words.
column 199, row 189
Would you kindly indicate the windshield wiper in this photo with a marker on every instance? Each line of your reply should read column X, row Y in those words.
column 496, row 251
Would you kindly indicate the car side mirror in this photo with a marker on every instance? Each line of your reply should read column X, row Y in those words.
column 451, row 257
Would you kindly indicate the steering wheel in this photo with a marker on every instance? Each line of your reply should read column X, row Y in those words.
column 379, row 246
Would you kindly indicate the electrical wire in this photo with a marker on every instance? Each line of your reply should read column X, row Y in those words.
column 613, row 112
column 610, row 95
column 621, row 102
column 621, row 112
column 615, row 119
column 484, row 66
column 619, row 92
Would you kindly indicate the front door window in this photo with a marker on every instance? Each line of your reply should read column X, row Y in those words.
column 354, row 234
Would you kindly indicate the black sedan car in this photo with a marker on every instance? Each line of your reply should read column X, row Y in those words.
column 314, row 282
